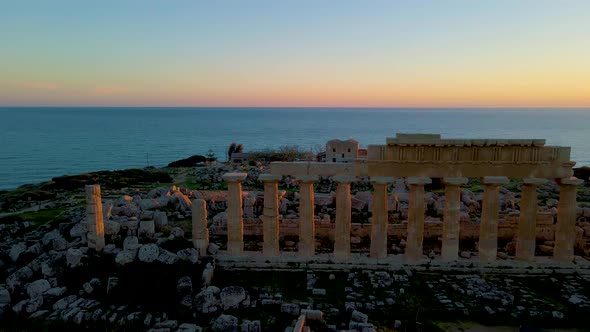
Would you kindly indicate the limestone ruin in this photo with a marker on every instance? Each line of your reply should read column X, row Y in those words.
column 418, row 158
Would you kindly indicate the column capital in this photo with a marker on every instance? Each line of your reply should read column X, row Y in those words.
column 573, row 181
column 497, row 180
column 382, row 179
column 454, row 181
column 234, row 177
column 270, row 177
column 344, row 178
column 533, row 181
column 307, row 178
column 414, row 180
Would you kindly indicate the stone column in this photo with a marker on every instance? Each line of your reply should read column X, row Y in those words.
column 565, row 229
column 380, row 217
column 270, row 214
column 416, row 218
column 200, row 230
column 235, row 224
column 488, row 227
column 306, row 215
column 527, row 223
column 94, row 218
column 450, row 238
column 343, row 217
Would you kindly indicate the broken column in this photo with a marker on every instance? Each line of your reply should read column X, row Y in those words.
column 94, row 218
column 527, row 222
column 270, row 214
column 343, row 217
column 416, row 217
column 488, row 227
column 380, row 217
column 565, row 229
column 235, row 223
column 450, row 238
column 200, row 230
column 306, row 215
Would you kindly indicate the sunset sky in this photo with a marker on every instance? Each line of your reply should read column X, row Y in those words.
column 295, row 53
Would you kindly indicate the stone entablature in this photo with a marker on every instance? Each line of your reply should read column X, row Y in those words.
column 430, row 155
column 514, row 156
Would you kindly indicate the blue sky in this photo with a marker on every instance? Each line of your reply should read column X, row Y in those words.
column 295, row 53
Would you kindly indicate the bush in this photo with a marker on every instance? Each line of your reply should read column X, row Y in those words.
column 284, row 153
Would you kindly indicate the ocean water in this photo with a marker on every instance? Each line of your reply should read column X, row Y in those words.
column 37, row 144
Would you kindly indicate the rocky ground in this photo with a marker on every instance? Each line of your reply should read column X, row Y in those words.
column 150, row 277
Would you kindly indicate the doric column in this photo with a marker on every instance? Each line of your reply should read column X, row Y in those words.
column 380, row 217
column 450, row 238
column 565, row 231
column 94, row 218
column 270, row 214
column 343, row 217
column 235, row 224
column 416, row 217
column 488, row 227
column 527, row 223
column 200, row 230
column 306, row 215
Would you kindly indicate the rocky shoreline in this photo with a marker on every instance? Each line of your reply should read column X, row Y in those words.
column 150, row 277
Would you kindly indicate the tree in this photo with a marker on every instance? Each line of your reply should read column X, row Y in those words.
column 231, row 150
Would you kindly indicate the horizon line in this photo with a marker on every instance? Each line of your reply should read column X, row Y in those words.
column 299, row 107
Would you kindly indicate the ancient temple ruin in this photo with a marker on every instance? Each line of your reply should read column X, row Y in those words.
column 418, row 158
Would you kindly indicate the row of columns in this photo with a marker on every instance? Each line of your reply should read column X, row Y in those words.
column 488, row 240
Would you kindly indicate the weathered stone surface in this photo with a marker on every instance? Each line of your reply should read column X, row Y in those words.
column 112, row 227
column 64, row 302
column 186, row 327
column 4, row 296
column 225, row 323
column 160, row 219
column 94, row 218
column 56, row 291
column 212, row 249
column 148, row 253
column 177, row 232
column 184, row 285
column 189, row 254
column 167, row 257
column 146, row 228
column 125, row 257
column 16, row 250
column 37, row 288
column 73, row 257
column 207, row 298
column 131, row 243
column 232, row 296
column 18, row 278
column 290, row 308
column 358, row 316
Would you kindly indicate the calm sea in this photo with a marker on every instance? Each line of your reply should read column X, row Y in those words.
column 37, row 144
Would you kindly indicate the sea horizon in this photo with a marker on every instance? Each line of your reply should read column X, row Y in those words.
column 44, row 142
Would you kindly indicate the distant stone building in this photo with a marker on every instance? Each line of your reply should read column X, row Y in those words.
column 338, row 151
column 241, row 157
